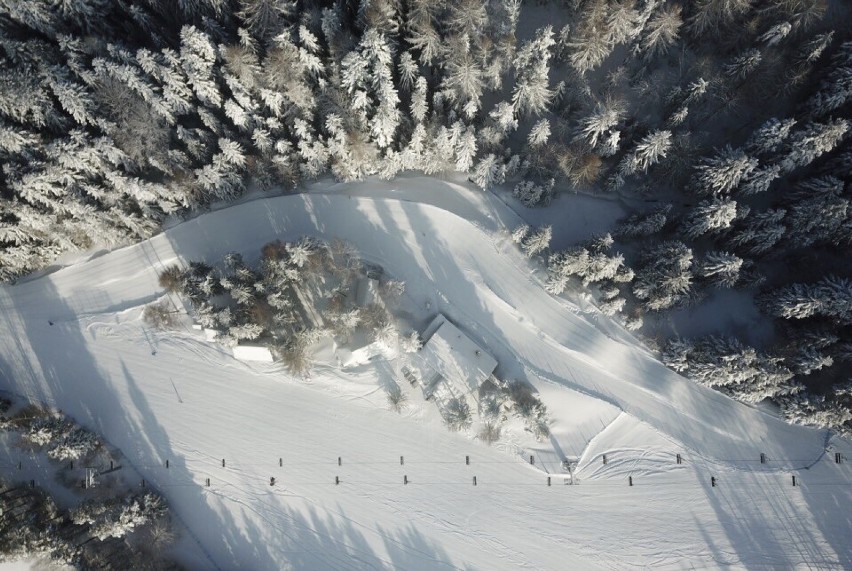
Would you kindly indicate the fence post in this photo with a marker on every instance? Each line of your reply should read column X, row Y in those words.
column 32, row 483
column 340, row 461
column 167, row 464
column 467, row 460
column 548, row 480
column 532, row 459
column 762, row 458
column 143, row 482
column 111, row 464
column 794, row 481
column 208, row 482
column 336, row 480
column 837, row 458
column 629, row 480
column 281, row 462
column 401, row 461
column 223, row 462
column 272, row 481
column 405, row 479
column 712, row 481
column 19, row 464
column 474, row 480
column 679, row 459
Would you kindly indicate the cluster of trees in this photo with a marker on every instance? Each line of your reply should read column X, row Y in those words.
column 118, row 530
column 97, row 535
column 300, row 291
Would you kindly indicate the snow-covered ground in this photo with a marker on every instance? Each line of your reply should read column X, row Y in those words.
column 172, row 396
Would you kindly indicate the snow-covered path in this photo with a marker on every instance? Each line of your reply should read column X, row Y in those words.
column 194, row 404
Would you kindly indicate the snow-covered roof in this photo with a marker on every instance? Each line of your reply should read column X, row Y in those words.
column 451, row 354
column 253, row 353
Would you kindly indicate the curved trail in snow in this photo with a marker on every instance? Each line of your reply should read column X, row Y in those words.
column 444, row 242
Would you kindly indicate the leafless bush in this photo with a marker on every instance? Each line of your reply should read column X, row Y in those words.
column 159, row 315
column 490, row 432
column 172, row 279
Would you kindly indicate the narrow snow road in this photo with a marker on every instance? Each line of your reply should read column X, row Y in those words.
column 194, row 404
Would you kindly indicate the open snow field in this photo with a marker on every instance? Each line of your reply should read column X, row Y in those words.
column 162, row 396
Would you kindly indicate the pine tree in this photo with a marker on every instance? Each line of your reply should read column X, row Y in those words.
column 836, row 89
column 709, row 216
column 812, row 141
column 642, row 224
column 661, row 31
column 744, row 65
column 821, row 215
column 532, row 94
column 723, row 172
column 489, row 171
column 537, row 242
column 665, row 278
column 760, row 232
column 539, row 134
column 647, row 152
column 720, row 268
column 830, row 297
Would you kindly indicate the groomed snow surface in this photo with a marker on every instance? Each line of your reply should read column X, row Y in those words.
column 161, row 396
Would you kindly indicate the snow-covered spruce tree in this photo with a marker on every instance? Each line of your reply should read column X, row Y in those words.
column 532, row 94
column 537, row 242
column 723, row 172
column 643, row 224
column 812, row 141
column 769, row 137
column 603, row 119
column 664, row 279
column 821, row 214
column 721, row 269
column 489, row 171
column 829, row 297
column 714, row 16
column 710, row 216
column 836, row 89
column 759, row 231
column 661, row 31
column 724, row 363
column 647, row 152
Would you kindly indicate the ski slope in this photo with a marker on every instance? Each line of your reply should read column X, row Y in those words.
column 172, row 396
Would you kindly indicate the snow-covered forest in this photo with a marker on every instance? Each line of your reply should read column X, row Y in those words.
column 722, row 125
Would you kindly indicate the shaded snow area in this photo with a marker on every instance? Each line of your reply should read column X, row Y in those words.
column 172, row 395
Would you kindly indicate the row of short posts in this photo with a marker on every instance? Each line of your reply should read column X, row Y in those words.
column 838, row 459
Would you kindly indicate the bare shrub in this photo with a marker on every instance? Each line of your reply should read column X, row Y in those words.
column 172, row 278
column 159, row 315
column 490, row 432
